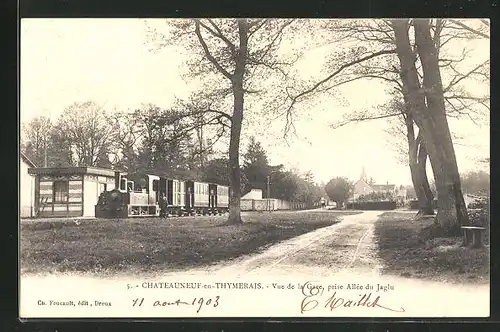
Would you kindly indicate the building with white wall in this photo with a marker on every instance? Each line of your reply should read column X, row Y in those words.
column 26, row 187
column 253, row 194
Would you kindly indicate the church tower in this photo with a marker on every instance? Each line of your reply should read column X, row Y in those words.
column 363, row 175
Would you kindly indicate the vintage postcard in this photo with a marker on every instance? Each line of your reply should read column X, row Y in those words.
column 277, row 168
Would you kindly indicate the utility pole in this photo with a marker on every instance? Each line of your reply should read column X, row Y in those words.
column 45, row 154
column 200, row 138
column 268, row 194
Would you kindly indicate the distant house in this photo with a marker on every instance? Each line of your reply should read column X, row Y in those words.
column 364, row 187
column 361, row 187
column 253, row 194
column 26, row 187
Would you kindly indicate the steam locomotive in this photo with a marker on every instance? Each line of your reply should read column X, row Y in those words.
column 147, row 195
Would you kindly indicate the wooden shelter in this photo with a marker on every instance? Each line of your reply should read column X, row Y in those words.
column 69, row 191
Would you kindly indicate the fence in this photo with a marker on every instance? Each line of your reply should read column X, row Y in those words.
column 272, row 204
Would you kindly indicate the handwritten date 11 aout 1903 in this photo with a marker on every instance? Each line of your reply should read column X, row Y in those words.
column 197, row 302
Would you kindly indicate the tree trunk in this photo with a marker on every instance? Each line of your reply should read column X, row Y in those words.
column 426, row 206
column 234, row 160
column 418, row 175
column 237, row 119
column 431, row 120
column 452, row 212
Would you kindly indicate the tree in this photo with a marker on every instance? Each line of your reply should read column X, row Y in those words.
column 377, row 196
column 37, row 134
column 477, row 182
column 283, row 185
column 306, row 191
column 410, row 192
column 217, row 171
column 256, row 166
column 309, row 177
column 125, row 137
column 61, row 152
column 459, row 103
column 84, row 132
column 339, row 190
column 424, row 101
column 234, row 54
column 427, row 107
column 165, row 141
column 417, row 157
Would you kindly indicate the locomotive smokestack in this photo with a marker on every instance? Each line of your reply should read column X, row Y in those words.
column 117, row 179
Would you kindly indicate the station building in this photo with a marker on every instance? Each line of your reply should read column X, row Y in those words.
column 69, row 191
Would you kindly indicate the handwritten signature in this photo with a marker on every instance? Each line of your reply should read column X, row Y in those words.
column 312, row 295
column 196, row 302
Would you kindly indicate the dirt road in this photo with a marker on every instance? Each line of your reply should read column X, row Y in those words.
column 350, row 242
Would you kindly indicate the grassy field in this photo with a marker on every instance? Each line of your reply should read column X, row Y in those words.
column 152, row 244
column 411, row 248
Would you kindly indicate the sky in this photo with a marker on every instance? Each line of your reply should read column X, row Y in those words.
column 107, row 61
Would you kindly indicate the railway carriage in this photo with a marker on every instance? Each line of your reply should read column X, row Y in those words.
column 197, row 202
column 174, row 192
column 147, row 195
column 222, row 199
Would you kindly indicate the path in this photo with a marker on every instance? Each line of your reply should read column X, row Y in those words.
column 302, row 255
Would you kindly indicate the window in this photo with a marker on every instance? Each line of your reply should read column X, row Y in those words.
column 61, row 191
column 123, row 184
column 101, row 187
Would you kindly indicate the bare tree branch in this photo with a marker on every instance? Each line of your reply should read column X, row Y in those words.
column 475, row 31
column 364, row 118
column 340, row 69
column 276, row 38
column 220, row 35
column 485, row 22
column 457, row 78
column 257, row 24
column 209, row 56
column 220, row 113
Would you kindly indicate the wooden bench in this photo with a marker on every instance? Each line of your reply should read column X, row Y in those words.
column 473, row 233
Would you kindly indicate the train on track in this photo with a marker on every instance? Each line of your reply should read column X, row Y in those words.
column 136, row 195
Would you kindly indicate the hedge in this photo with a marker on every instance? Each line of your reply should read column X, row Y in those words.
column 380, row 205
column 414, row 204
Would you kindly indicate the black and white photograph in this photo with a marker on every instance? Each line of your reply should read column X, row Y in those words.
column 254, row 167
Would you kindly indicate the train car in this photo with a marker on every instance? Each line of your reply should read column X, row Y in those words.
column 197, row 198
column 212, row 197
column 133, row 196
column 173, row 193
column 222, row 199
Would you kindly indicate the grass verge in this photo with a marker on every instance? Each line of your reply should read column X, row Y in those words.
column 410, row 248
column 152, row 244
